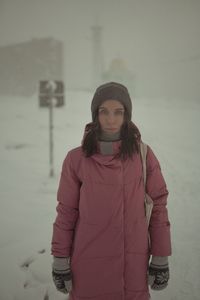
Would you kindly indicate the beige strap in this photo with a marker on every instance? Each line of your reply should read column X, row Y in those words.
column 147, row 199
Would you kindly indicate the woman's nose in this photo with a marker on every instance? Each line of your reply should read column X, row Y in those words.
column 111, row 118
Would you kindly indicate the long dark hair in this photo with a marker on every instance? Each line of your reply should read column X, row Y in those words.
column 130, row 137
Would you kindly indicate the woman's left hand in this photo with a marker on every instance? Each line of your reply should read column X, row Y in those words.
column 158, row 275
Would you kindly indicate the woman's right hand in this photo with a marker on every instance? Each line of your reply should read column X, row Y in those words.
column 61, row 273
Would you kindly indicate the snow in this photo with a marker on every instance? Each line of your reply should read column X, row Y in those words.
column 28, row 194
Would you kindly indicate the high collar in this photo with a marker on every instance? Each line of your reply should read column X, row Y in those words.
column 109, row 148
column 109, row 137
column 108, row 159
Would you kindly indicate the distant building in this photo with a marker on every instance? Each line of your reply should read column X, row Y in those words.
column 119, row 72
column 23, row 65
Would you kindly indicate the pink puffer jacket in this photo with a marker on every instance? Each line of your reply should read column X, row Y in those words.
column 101, row 224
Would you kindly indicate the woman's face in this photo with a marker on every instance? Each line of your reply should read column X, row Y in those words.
column 111, row 116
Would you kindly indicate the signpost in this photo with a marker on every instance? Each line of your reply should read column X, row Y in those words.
column 51, row 94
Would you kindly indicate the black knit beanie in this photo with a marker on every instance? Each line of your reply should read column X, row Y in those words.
column 111, row 91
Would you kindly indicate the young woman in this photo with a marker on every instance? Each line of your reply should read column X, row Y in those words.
column 100, row 242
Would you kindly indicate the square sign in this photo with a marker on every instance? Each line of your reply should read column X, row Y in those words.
column 51, row 90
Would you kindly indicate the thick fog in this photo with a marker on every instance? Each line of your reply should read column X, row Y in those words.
column 157, row 40
column 153, row 47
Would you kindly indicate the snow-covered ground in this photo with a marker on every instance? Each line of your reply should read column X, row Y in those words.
column 28, row 194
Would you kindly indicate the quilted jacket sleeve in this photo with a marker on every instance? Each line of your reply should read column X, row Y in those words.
column 67, row 210
column 159, row 227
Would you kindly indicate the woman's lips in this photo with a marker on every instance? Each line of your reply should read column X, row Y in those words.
column 111, row 129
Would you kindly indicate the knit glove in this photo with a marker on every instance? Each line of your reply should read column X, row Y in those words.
column 158, row 272
column 61, row 274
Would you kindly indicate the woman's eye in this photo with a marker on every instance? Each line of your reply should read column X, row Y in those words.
column 103, row 112
column 116, row 113
column 119, row 113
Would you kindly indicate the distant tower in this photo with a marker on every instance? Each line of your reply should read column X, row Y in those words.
column 97, row 64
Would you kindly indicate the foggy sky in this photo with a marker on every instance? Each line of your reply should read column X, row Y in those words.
column 149, row 34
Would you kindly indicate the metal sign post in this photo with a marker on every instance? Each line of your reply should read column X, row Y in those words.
column 51, row 136
column 51, row 95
